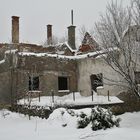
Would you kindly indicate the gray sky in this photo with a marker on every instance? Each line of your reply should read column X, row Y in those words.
column 36, row 14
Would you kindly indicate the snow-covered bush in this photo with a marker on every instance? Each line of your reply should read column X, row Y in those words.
column 95, row 118
column 98, row 119
column 83, row 121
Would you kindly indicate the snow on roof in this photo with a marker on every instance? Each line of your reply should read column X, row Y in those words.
column 72, row 50
column 60, row 45
column 90, row 54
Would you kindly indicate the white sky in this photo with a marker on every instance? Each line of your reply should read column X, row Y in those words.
column 36, row 14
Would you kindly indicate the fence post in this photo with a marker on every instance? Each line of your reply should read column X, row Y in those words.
column 92, row 94
column 73, row 96
column 108, row 95
column 52, row 92
column 39, row 96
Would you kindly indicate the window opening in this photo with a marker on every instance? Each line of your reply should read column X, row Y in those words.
column 96, row 81
column 34, row 83
column 62, row 83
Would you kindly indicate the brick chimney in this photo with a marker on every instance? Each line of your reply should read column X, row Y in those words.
column 71, row 36
column 15, row 29
column 49, row 34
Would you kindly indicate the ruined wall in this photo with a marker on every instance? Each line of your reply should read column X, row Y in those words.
column 5, row 87
column 5, row 82
column 8, row 63
column 90, row 66
column 48, row 69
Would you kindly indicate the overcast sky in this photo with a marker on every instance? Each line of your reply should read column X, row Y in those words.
column 36, row 14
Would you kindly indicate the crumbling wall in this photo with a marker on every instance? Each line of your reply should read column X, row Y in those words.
column 5, row 87
column 90, row 66
column 7, row 74
column 48, row 69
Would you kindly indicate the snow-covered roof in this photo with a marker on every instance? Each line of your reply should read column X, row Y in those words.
column 60, row 48
column 75, row 57
column 72, row 50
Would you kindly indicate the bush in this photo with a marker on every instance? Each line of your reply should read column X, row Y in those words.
column 83, row 121
column 98, row 119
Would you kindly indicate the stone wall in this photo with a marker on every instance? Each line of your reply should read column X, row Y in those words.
column 5, row 75
column 48, row 69
column 5, row 87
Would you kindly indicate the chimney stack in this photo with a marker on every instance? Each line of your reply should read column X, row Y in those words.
column 49, row 34
column 15, row 29
column 71, row 36
column 71, row 33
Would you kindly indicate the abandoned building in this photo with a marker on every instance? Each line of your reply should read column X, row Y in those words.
column 60, row 68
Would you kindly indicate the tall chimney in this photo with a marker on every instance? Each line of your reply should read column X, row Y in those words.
column 15, row 29
column 49, row 34
column 71, row 36
column 71, row 33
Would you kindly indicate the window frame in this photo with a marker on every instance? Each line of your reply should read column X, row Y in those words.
column 94, row 78
column 33, row 83
column 67, row 86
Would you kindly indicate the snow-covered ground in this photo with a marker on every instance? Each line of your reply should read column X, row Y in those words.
column 15, row 126
column 68, row 100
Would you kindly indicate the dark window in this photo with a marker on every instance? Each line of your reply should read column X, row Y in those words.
column 96, row 81
column 62, row 83
column 33, row 83
column 137, row 77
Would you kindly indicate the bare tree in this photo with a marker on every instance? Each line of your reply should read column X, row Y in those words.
column 83, row 30
column 115, row 34
column 136, row 11
column 56, row 40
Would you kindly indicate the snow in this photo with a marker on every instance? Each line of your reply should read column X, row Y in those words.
column 100, row 87
column 72, row 50
column 60, row 52
column 75, row 57
column 11, row 51
column 14, row 126
column 56, row 55
column 63, row 91
column 68, row 100
column 2, row 61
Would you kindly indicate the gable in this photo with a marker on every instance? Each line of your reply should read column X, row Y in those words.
column 88, row 44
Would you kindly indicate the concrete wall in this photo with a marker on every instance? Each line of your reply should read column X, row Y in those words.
column 91, row 66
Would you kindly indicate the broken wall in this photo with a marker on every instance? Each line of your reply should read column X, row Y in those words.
column 48, row 69
column 89, row 66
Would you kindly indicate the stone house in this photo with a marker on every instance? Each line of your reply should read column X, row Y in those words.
column 32, row 68
column 95, row 69
column 56, row 69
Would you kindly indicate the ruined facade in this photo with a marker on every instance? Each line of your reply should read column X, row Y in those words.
column 27, row 68
column 55, row 69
